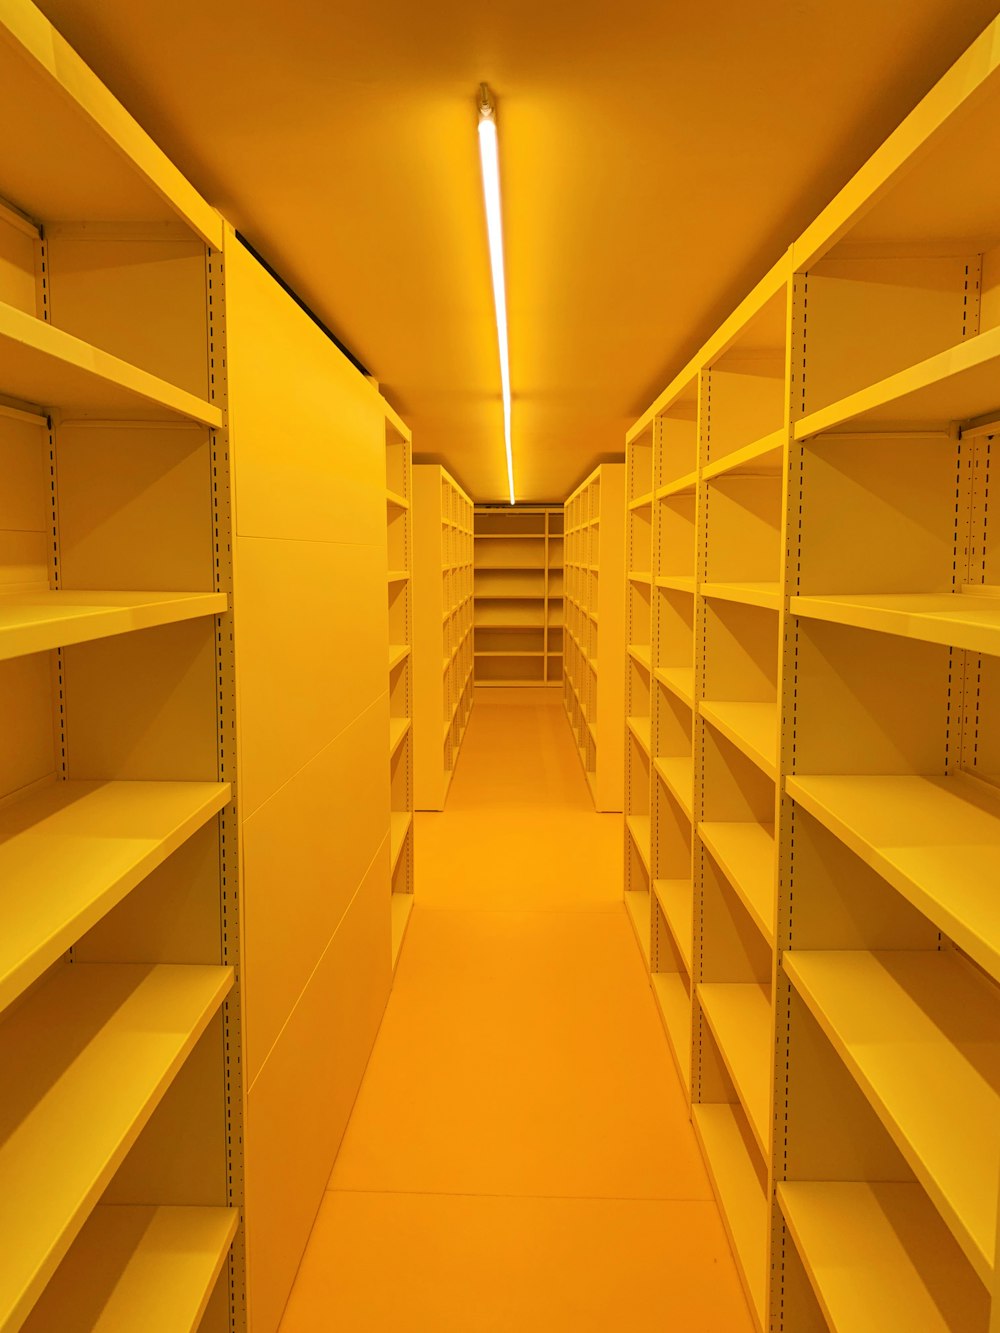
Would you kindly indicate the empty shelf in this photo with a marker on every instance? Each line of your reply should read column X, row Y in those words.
column 72, row 851
column 678, row 776
column 955, row 385
column 685, row 485
column 42, row 364
column 398, row 727
column 144, row 1268
column 641, row 655
column 38, row 621
column 766, row 595
column 639, row 826
column 739, row 1014
column 745, row 855
column 402, row 906
column 763, row 456
column 878, row 1256
column 399, row 576
column 918, row 1031
column 637, row 902
column 679, row 681
column 935, row 840
column 398, row 652
column 641, row 728
column 752, row 728
column 396, row 501
column 676, row 582
column 399, row 826
column 675, row 1010
column 958, row 619
column 102, row 1043
column 676, row 899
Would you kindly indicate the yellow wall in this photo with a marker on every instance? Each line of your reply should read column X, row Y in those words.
column 308, row 466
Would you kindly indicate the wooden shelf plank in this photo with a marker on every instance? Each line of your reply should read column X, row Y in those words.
column 676, row 899
column 678, row 775
column 766, row 595
column 739, row 1014
column 34, row 622
column 640, row 826
column 762, row 456
column 398, row 652
column 935, row 840
column 878, row 1256
column 399, row 826
column 752, row 728
column 73, row 850
column 958, row 620
column 742, row 1199
column 42, row 364
column 641, row 728
column 94, row 1049
column 919, row 1033
column 674, row 1004
column 138, row 1268
column 398, row 727
column 637, row 903
column 680, row 682
column 745, row 854
column 957, row 384
column 402, row 908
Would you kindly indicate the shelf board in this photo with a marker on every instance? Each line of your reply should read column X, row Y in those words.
column 639, row 826
column 509, row 597
column 35, row 622
column 676, row 899
column 739, row 1014
column 675, row 1010
column 763, row 456
column 510, row 536
column 396, row 501
column 745, row 854
column 918, row 1031
column 766, row 595
column 102, row 1043
column 398, row 727
column 641, row 502
column 635, row 575
column 641, row 729
column 402, row 908
column 878, row 1256
column 679, row 681
column 677, row 773
column 72, row 851
column 676, row 582
column 957, row 619
column 935, row 840
column 641, row 654
column 44, row 365
column 510, row 569
column 399, row 826
column 398, row 652
column 512, row 652
column 149, row 1268
column 957, row 384
column 399, row 576
column 637, row 903
column 742, row 1200
column 752, row 728
column 685, row 485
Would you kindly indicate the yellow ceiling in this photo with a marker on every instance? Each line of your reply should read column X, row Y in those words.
column 656, row 158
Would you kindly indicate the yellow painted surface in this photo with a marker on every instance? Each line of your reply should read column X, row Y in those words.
column 520, row 1124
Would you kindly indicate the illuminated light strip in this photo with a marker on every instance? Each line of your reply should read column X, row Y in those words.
column 490, row 160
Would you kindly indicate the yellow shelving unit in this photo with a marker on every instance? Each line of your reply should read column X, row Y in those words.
column 518, row 595
column 809, row 500
column 593, row 671
column 400, row 537
column 121, row 1125
column 442, row 627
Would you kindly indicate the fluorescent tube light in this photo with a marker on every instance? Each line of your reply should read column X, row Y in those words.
column 490, row 160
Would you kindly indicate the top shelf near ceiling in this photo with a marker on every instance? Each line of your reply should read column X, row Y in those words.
column 109, row 168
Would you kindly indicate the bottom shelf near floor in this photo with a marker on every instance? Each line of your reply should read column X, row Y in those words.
column 148, row 1268
column 878, row 1256
column 727, row 1148
column 402, row 906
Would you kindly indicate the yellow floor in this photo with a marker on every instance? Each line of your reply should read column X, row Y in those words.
column 519, row 1157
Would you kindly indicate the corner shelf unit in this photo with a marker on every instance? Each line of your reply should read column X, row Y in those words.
column 120, row 1038
column 518, row 595
column 442, row 628
column 594, row 670
column 399, row 551
column 823, row 806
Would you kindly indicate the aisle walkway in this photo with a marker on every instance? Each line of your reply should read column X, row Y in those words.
column 519, row 1157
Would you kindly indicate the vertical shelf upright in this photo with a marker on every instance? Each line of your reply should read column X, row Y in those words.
column 638, row 691
column 518, row 591
column 119, row 921
column 593, row 679
column 442, row 629
column 399, row 550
